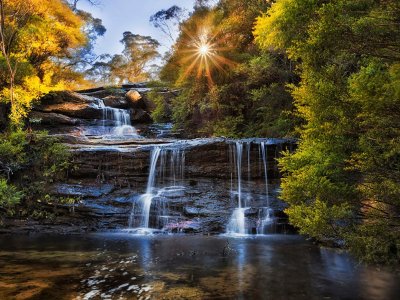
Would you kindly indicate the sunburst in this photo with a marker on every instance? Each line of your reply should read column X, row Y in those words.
column 203, row 54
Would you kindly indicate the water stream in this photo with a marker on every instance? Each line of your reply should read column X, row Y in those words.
column 125, row 266
column 165, row 181
column 237, row 225
column 115, row 123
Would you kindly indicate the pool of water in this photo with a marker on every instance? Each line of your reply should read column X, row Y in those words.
column 126, row 266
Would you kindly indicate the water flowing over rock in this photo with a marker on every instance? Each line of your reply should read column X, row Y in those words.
column 125, row 181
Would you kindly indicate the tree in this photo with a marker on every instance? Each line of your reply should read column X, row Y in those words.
column 35, row 35
column 168, row 20
column 342, row 182
column 233, row 89
column 132, row 65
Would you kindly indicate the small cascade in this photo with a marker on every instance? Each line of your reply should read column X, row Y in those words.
column 148, row 196
column 118, row 119
column 240, row 222
column 237, row 222
column 265, row 164
column 265, row 220
column 150, row 210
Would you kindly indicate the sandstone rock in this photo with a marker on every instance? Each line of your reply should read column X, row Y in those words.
column 64, row 97
column 140, row 116
column 135, row 99
column 53, row 118
column 116, row 102
column 71, row 105
column 80, row 111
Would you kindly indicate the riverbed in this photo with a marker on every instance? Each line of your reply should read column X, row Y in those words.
column 118, row 265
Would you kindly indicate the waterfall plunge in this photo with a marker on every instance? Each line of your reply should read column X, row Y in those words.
column 165, row 172
column 237, row 222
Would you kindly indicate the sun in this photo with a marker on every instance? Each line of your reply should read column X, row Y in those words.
column 204, row 54
column 204, row 50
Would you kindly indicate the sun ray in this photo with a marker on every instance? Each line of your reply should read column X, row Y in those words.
column 204, row 53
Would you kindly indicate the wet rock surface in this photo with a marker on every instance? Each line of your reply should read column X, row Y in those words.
column 111, row 170
column 110, row 179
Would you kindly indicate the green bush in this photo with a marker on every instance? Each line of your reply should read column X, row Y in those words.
column 9, row 194
column 161, row 113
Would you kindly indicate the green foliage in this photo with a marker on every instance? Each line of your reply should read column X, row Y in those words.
column 320, row 220
column 343, row 181
column 9, row 194
column 37, row 37
column 28, row 163
column 12, row 152
column 132, row 65
column 241, row 92
column 161, row 113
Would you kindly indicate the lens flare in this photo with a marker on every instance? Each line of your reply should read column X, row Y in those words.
column 203, row 54
column 204, row 50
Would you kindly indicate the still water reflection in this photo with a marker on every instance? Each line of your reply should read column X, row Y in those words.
column 123, row 266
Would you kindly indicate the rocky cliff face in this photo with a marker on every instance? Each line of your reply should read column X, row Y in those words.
column 197, row 184
column 110, row 180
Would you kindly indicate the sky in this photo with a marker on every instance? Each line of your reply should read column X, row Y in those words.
column 129, row 15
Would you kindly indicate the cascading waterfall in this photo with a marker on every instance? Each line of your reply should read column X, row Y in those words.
column 165, row 186
column 264, row 216
column 265, row 164
column 120, row 118
column 166, row 170
column 237, row 223
column 148, row 196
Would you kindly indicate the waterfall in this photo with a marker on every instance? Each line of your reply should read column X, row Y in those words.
column 165, row 172
column 239, row 152
column 264, row 154
column 264, row 216
column 120, row 119
column 148, row 196
column 237, row 222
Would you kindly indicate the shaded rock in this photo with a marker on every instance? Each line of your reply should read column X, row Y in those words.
column 134, row 85
column 251, row 212
column 53, row 118
column 103, row 93
column 116, row 102
column 190, row 211
column 140, row 116
column 72, row 139
column 76, row 190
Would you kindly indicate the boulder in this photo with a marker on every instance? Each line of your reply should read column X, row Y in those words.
column 65, row 97
column 80, row 111
column 135, row 99
column 53, row 118
column 140, row 116
column 116, row 102
column 70, row 104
